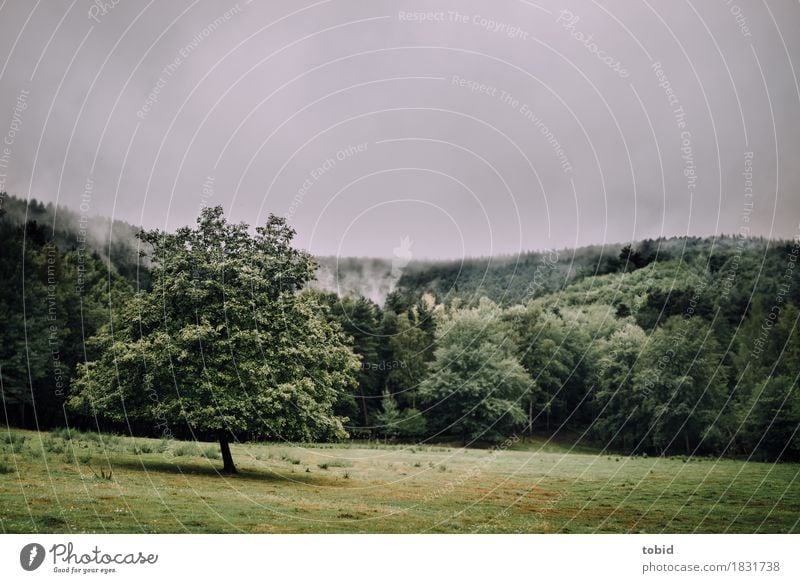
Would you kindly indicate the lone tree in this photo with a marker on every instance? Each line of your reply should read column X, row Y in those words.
column 224, row 343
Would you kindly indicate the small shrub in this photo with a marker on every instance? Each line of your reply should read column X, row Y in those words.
column 74, row 457
column 52, row 446
column 340, row 463
column 346, row 475
column 63, row 433
column 417, row 465
column 142, row 448
column 92, row 436
column 291, row 460
column 196, row 450
column 323, row 466
column 11, row 438
column 112, row 441
column 183, row 450
column 15, row 442
column 5, row 468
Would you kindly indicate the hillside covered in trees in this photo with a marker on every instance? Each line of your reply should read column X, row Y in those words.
column 669, row 346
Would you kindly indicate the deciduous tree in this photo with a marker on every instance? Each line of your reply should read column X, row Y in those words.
column 224, row 343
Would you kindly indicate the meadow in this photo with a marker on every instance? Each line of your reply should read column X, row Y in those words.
column 75, row 482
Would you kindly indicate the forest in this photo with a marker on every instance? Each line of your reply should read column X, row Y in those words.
column 682, row 345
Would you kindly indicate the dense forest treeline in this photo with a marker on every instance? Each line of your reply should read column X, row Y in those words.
column 55, row 289
column 681, row 345
column 691, row 347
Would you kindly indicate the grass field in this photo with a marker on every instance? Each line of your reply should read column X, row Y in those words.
column 102, row 483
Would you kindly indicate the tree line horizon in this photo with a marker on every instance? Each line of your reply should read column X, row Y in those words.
column 680, row 346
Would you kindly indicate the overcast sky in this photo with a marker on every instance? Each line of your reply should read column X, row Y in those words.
column 471, row 128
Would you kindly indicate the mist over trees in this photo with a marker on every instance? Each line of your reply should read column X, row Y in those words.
column 661, row 347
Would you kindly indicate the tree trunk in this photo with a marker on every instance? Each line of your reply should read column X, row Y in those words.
column 364, row 406
column 227, row 458
column 530, row 417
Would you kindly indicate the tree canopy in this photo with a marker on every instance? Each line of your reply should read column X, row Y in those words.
column 223, row 343
column 476, row 383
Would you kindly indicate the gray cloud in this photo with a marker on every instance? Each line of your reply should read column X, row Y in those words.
column 510, row 126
